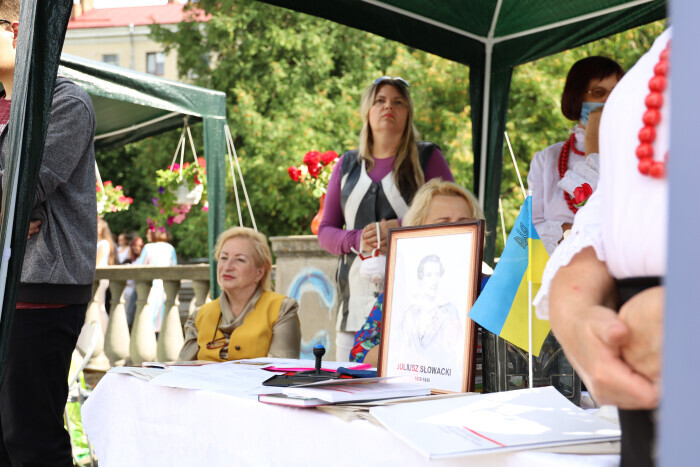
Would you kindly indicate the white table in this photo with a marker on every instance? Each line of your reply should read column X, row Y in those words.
column 131, row 422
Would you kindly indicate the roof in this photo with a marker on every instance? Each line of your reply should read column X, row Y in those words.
column 138, row 16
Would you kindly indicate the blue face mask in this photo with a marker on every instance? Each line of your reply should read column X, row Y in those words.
column 586, row 108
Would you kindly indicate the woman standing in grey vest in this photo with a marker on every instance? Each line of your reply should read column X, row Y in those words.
column 369, row 192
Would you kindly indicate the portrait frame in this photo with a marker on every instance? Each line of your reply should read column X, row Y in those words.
column 433, row 276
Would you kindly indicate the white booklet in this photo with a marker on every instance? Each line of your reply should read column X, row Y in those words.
column 357, row 390
column 503, row 421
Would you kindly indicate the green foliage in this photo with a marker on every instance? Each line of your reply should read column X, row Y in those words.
column 293, row 84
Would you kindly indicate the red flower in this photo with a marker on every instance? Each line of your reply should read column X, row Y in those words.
column 314, row 170
column 122, row 199
column 108, row 183
column 202, row 162
column 328, row 157
column 185, row 165
column 312, row 158
column 129, row 200
column 294, row 173
column 582, row 193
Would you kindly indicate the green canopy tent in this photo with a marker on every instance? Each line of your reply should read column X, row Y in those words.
column 129, row 106
column 491, row 37
column 132, row 106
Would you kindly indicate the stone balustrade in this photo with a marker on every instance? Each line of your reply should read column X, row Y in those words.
column 117, row 346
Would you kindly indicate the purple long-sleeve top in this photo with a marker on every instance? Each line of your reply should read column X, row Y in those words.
column 331, row 235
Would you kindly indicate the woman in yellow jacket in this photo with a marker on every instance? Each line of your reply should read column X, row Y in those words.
column 248, row 320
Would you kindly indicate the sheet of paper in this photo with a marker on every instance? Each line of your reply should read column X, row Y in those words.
column 357, row 392
column 291, row 364
column 142, row 373
column 228, row 377
column 512, row 420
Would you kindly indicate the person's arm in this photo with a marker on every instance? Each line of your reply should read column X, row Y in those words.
column 582, row 300
column 190, row 348
column 70, row 131
column 331, row 235
column 102, row 252
column 286, row 332
column 644, row 316
column 437, row 167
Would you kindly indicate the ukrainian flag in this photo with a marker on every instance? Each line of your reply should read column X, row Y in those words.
column 503, row 306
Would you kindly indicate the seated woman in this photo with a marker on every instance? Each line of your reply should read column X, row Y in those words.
column 248, row 320
column 436, row 202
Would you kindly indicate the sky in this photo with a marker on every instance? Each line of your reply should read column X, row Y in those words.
column 128, row 3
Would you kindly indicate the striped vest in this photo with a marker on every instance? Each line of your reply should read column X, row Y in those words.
column 364, row 202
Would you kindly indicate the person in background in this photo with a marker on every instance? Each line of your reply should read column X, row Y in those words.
column 123, row 250
column 135, row 248
column 106, row 255
column 370, row 190
column 157, row 253
column 248, row 320
column 436, row 202
column 588, row 85
column 58, row 270
column 602, row 289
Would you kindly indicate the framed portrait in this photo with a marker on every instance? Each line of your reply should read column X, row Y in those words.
column 432, row 280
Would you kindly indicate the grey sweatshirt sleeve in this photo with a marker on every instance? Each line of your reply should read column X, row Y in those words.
column 72, row 129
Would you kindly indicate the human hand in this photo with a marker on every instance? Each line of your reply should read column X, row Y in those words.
column 369, row 234
column 593, row 345
column 33, row 228
column 643, row 314
column 590, row 141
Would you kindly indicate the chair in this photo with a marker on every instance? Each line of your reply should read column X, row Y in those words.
column 76, row 392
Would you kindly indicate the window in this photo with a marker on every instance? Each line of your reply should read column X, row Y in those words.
column 112, row 59
column 155, row 63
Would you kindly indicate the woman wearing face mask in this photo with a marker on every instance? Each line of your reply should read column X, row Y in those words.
column 368, row 192
column 587, row 87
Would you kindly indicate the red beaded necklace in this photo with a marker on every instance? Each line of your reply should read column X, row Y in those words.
column 651, row 118
column 564, row 164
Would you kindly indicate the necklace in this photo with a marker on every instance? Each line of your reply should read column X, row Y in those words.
column 564, row 164
column 651, row 118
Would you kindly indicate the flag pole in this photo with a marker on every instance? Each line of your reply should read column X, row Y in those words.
column 503, row 221
column 529, row 294
column 517, row 171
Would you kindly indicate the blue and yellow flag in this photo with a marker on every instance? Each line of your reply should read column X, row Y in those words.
column 503, row 305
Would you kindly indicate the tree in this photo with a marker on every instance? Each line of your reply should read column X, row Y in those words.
column 293, row 84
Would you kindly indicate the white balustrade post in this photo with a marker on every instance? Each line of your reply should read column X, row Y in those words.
column 142, row 347
column 171, row 338
column 117, row 336
column 201, row 290
column 99, row 360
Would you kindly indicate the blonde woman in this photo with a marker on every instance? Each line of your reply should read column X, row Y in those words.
column 248, row 320
column 437, row 202
column 370, row 190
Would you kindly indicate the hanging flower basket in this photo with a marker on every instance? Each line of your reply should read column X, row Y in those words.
column 185, row 195
column 179, row 188
column 110, row 198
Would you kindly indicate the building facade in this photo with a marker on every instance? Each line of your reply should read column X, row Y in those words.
column 120, row 36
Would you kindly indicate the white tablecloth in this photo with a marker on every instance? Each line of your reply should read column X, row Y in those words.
column 130, row 422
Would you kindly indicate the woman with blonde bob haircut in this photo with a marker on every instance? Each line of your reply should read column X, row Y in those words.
column 370, row 190
column 420, row 208
column 436, row 202
column 248, row 320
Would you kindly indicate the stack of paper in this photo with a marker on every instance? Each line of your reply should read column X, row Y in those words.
column 513, row 420
column 357, row 390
